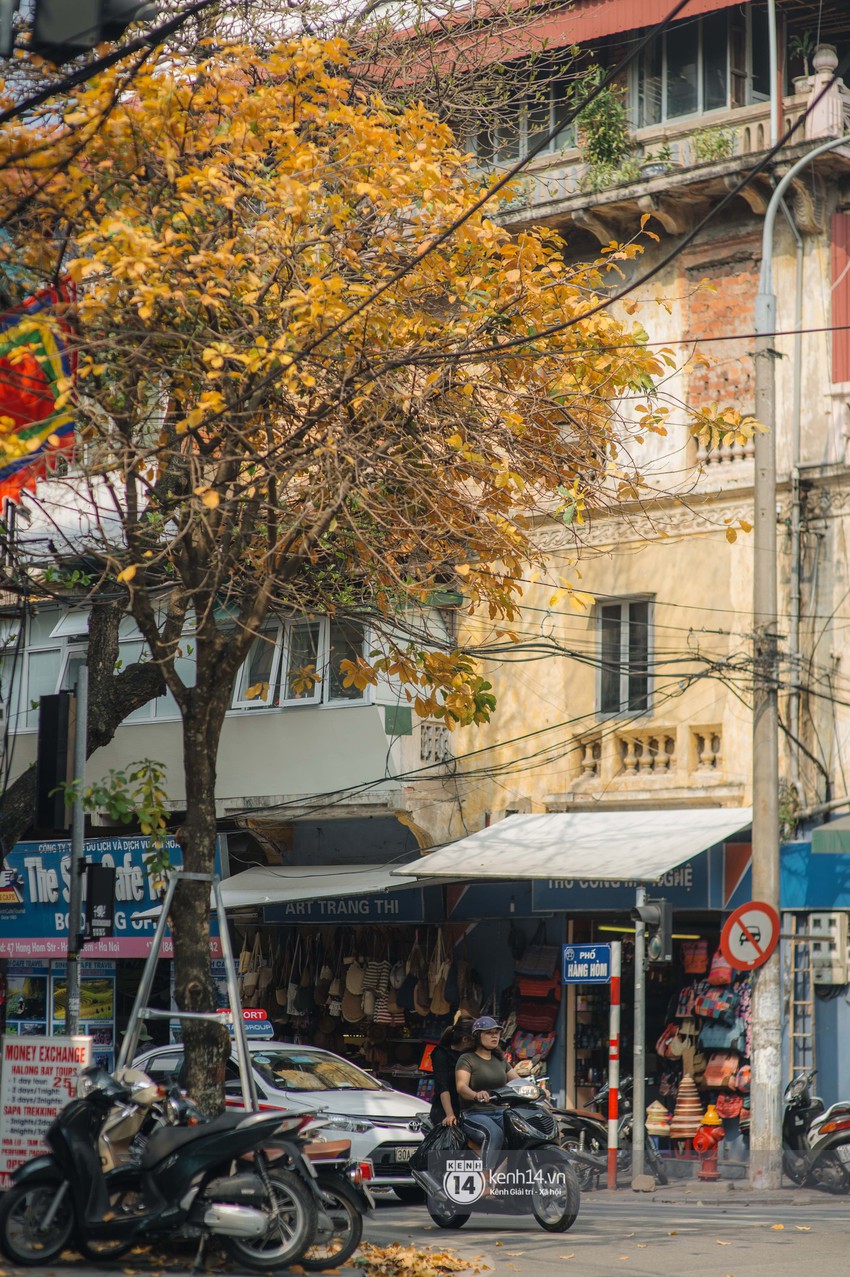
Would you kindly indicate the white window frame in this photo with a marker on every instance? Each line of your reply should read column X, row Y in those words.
column 625, row 604
column 320, row 697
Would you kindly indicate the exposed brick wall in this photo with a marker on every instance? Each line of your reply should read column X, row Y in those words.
column 731, row 268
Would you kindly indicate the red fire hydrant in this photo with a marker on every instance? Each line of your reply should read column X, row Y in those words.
column 707, row 1142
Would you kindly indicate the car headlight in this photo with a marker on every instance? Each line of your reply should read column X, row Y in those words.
column 341, row 1122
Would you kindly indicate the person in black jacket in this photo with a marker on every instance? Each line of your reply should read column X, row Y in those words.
column 457, row 1038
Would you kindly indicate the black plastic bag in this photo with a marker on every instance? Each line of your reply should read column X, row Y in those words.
column 440, row 1139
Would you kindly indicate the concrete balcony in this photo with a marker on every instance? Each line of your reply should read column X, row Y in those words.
column 557, row 189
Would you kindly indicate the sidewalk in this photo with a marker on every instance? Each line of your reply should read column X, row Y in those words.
column 726, row 1192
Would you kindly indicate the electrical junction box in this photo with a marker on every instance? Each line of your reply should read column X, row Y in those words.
column 829, row 947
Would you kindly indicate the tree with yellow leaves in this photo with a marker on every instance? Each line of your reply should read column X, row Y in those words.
column 308, row 381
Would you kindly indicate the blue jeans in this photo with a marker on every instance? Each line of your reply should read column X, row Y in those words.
column 486, row 1129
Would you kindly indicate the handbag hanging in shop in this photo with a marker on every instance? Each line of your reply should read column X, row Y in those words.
column 695, row 956
column 538, row 1016
column 721, row 972
column 714, row 1036
column 540, row 958
column 292, row 982
column 722, row 1067
column 729, row 1104
column 251, row 978
column 439, row 971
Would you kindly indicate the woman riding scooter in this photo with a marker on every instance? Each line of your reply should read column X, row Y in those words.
column 480, row 1071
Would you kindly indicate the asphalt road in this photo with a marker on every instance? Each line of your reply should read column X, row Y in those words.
column 623, row 1233
column 633, row 1234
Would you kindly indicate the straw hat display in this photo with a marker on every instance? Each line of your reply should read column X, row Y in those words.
column 688, row 1112
column 657, row 1119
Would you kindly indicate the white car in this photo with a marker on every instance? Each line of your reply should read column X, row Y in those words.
column 373, row 1116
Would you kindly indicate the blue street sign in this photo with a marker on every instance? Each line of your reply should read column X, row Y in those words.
column 586, row 963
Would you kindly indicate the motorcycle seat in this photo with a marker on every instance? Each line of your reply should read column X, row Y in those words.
column 171, row 1138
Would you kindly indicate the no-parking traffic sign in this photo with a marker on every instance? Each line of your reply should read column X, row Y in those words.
column 750, row 935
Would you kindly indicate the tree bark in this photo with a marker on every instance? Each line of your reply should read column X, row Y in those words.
column 207, row 1045
column 112, row 697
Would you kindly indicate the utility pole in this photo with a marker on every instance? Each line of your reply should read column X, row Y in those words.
column 639, row 1046
column 766, row 1116
column 75, row 902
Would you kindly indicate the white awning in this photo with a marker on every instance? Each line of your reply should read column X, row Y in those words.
column 277, row 884
column 617, row 845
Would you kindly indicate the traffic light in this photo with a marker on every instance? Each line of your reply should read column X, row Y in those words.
column 54, row 761
column 657, row 915
column 63, row 29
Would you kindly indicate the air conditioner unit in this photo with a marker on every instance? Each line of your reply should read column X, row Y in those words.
column 829, row 947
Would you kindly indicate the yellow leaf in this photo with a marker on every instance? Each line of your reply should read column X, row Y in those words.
column 463, row 569
column 127, row 574
column 744, row 526
column 211, row 499
column 776, row 1227
column 731, row 535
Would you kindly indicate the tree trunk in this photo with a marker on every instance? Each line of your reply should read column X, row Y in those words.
column 207, row 1045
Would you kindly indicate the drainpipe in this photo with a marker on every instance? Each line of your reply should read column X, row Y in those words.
column 773, row 58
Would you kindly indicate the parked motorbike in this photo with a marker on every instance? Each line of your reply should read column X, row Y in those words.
column 815, row 1139
column 345, row 1198
column 529, row 1127
column 184, row 1184
column 584, row 1135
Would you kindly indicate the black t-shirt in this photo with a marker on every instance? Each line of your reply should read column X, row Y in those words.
column 444, row 1062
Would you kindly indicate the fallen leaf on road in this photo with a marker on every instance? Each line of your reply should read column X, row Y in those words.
column 775, row 1226
column 622, row 1256
column 570, row 1256
column 673, row 1234
column 641, row 1245
column 802, row 1228
column 514, row 1253
column 720, row 1243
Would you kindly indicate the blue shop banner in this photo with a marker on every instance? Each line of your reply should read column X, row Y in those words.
column 390, row 906
column 686, row 887
column 35, row 889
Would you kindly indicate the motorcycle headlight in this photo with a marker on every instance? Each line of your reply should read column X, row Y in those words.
column 528, row 1092
column 85, row 1086
column 173, row 1110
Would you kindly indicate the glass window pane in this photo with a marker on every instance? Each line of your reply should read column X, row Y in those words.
column 72, row 665
column 609, row 629
column 761, row 52
column 42, row 678
column 715, row 74
column 256, row 683
column 563, row 104
column 682, row 78
column 538, row 114
column 650, row 85
column 346, row 645
column 638, row 656
column 302, row 662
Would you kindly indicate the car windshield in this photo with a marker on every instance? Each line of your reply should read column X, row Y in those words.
column 298, row 1070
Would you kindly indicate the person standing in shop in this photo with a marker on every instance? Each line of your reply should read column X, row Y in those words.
column 457, row 1039
column 480, row 1071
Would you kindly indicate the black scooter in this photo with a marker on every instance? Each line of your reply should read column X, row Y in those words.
column 815, row 1139
column 529, row 1128
column 183, row 1185
column 584, row 1135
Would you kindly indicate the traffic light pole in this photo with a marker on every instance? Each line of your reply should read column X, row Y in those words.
column 75, row 900
column 639, row 1047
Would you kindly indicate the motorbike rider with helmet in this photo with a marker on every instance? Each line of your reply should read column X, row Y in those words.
column 479, row 1071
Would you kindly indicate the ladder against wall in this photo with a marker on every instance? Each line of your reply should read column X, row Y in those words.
column 801, row 998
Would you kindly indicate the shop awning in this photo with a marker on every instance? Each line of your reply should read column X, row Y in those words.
column 617, row 845
column 832, row 839
column 280, row 884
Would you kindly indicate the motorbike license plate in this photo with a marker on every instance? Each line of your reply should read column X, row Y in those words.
column 404, row 1154
column 843, row 1152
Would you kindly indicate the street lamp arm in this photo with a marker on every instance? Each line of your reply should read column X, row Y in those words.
column 766, row 273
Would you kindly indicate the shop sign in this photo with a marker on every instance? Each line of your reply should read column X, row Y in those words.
column 35, row 893
column 38, row 1077
column 36, row 998
column 390, row 906
column 255, row 1020
column 686, row 887
column 586, row 963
